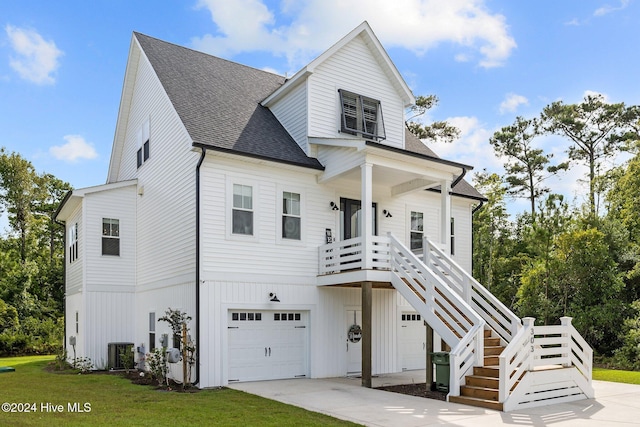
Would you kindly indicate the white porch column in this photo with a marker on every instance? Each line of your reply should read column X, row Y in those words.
column 366, row 173
column 445, row 215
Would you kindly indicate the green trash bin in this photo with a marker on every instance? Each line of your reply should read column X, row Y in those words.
column 441, row 360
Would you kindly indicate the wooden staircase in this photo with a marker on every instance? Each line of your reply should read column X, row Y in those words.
column 481, row 388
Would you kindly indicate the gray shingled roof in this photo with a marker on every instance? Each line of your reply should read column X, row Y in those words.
column 219, row 103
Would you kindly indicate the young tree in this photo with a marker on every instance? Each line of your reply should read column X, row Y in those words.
column 596, row 130
column 436, row 131
column 526, row 167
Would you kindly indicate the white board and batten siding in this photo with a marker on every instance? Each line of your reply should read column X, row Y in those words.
column 352, row 68
column 166, row 181
column 324, row 320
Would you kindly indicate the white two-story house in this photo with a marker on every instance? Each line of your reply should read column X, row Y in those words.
column 297, row 221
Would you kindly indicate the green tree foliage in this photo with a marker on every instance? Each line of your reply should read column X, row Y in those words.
column 31, row 255
column 526, row 167
column 596, row 131
column 436, row 131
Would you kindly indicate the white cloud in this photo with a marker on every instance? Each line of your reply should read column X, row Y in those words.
column 74, row 149
column 419, row 25
column 36, row 59
column 606, row 9
column 596, row 93
column 511, row 103
column 472, row 148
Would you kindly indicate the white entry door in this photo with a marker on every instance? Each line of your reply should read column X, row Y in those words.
column 413, row 337
column 266, row 345
column 354, row 341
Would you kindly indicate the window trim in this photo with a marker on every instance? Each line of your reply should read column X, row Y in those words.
column 281, row 189
column 110, row 236
column 360, row 116
column 231, row 181
column 152, row 330
column 452, row 236
column 73, row 242
column 143, row 138
column 411, row 230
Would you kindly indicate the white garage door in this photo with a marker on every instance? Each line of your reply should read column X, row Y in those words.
column 267, row 345
column 413, row 337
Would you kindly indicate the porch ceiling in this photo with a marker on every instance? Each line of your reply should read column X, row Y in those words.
column 384, row 176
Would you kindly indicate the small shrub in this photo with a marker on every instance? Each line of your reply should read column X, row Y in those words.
column 126, row 357
column 158, row 365
column 83, row 364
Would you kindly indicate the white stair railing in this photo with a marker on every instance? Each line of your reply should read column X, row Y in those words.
column 442, row 308
column 516, row 359
column 498, row 316
column 539, row 347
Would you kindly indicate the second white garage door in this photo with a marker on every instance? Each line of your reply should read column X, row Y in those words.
column 266, row 345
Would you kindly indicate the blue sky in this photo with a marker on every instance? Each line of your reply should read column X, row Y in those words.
column 62, row 63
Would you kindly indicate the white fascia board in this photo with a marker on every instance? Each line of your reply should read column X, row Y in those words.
column 124, row 108
column 75, row 199
column 299, row 78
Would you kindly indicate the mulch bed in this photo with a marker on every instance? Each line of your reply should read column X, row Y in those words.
column 419, row 390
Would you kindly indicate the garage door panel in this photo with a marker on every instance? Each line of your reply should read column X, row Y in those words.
column 273, row 345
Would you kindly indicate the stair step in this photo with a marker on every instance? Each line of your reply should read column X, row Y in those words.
column 487, row 333
column 491, row 361
column 491, row 341
column 479, row 392
column 493, row 351
column 472, row 401
column 486, row 371
column 480, row 381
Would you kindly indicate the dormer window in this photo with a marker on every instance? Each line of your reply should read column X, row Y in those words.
column 361, row 116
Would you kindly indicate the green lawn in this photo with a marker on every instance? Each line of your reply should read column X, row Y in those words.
column 616, row 376
column 115, row 401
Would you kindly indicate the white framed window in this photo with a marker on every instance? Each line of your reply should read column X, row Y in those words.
column 416, row 230
column 142, row 155
column 291, row 216
column 361, row 115
column 242, row 212
column 110, row 236
column 73, row 242
column 453, row 236
column 152, row 330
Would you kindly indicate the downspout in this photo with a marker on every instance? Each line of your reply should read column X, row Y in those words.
column 204, row 152
column 477, row 207
column 459, row 178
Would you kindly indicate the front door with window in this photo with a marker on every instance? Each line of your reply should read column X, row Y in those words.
column 351, row 219
column 354, row 341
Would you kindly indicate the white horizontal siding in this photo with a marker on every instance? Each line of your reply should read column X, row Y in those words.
column 166, row 210
column 291, row 111
column 75, row 303
column 74, row 270
column 267, row 254
column 461, row 211
column 352, row 68
column 107, row 271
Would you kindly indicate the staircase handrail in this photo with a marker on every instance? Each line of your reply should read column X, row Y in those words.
column 516, row 358
column 469, row 352
column 491, row 309
column 429, row 293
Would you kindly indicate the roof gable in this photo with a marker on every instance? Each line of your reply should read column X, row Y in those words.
column 218, row 102
column 379, row 53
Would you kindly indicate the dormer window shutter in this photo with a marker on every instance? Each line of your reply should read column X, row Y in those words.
column 361, row 116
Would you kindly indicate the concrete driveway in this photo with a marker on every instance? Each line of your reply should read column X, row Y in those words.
column 615, row 404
